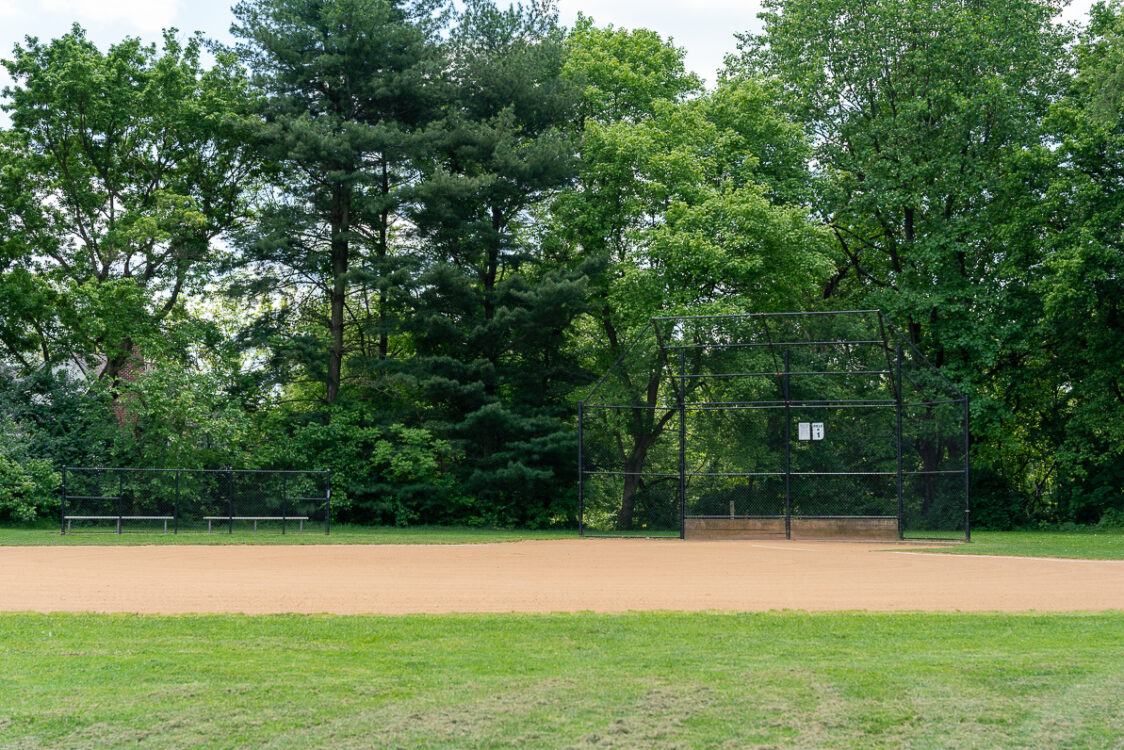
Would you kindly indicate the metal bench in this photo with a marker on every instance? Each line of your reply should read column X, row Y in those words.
column 255, row 519
column 119, row 519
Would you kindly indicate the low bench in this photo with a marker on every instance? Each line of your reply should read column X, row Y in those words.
column 255, row 519
column 119, row 519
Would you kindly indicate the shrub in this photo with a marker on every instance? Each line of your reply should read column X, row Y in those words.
column 1113, row 518
column 28, row 488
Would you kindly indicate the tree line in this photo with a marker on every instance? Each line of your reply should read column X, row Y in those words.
column 399, row 239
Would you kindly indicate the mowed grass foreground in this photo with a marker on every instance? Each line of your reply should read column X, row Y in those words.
column 585, row 680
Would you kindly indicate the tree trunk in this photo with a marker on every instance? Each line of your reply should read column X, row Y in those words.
column 381, row 250
column 341, row 217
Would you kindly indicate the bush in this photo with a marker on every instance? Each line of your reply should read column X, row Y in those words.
column 28, row 489
column 1113, row 518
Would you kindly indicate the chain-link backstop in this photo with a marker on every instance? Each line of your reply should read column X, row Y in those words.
column 828, row 425
column 194, row 500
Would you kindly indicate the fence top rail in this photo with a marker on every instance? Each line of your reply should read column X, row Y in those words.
column 199, row 471
column 781, row 374
column 774, row 345
column 764, row 404
column 765, row 315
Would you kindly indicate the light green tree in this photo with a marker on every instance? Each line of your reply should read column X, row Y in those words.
column 120, row 171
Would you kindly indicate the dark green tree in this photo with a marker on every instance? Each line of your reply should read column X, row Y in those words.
column 347, row 85
column 1080, row 220
column 492, row 322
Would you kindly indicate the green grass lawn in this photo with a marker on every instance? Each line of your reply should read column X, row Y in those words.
column 341, row 534
column 586, row 680
column 1091, row 544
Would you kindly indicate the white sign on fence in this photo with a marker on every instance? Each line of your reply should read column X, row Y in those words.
column 809, row 430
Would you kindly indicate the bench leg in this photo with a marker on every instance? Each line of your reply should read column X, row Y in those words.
column 255, row 527
column 208, row 527
column 302, row 527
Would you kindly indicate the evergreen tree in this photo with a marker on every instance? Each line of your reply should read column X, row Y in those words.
column 493, row 320
column 348, row 85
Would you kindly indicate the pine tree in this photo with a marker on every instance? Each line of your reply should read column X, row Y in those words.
column 492, row 322
column 348, row 85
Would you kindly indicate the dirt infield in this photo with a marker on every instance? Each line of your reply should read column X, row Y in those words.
column 545, row 576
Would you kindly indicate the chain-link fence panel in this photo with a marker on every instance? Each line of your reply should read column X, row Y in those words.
column 809, row 416
column 194, row 500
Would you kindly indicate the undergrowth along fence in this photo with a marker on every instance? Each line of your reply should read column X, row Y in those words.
column 774, row 424
column 194, row 500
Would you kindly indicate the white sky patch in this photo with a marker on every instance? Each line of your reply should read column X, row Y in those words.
column 132, row 16
column 10, row 11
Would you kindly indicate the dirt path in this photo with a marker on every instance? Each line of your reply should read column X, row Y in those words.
column 544, row 576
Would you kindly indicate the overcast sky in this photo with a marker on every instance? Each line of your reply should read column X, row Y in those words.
column 704, row 27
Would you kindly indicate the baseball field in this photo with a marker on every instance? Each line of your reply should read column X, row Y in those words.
column 558, row 643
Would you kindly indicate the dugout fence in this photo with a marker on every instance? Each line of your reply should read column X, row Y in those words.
column 774, row 425
column 194, row 500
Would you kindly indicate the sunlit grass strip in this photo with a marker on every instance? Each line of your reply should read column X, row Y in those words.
column 341, row 534
column 660, row 679
column 1089, row 545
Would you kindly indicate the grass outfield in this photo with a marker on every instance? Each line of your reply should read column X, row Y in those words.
column 341, row 534
column 636, row 680
column 1089, row 545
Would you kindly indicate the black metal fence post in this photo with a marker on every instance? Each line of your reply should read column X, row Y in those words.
column 62, row 507
column 787, row 453
column 176, row 506
column 328, row 509
column 967, row 472
column 284, row 515
column 120, row 498
column 682, row 445
column 230, row 505
column 581, row 470
column 898, row 398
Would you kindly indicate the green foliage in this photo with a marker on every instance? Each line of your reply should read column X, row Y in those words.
column 1113, row 518
column 931, row 153
column 381, row 474
column 347, row 87
column 682, row 204
column 28, row 486
column 121, row 169
column 182, row 418
column 491, row 322
column 1082, row 289
column 435, row 223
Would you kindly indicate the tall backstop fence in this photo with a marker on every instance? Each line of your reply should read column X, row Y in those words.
column 774, row 425
column 194, row 500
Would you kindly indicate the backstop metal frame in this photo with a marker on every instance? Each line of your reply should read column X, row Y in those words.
column 852, row 369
